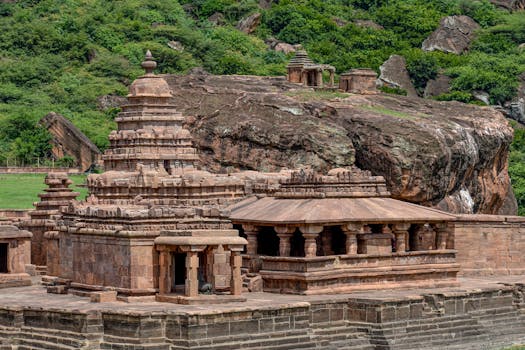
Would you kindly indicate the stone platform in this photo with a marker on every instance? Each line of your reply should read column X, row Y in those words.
column 478, row 314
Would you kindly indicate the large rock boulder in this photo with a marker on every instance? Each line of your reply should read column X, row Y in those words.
column 454, row 35
column 394, row 74
column 438, row 86
column 68, row 140
column 446, row 155
column 250, row 23
column 511, row 5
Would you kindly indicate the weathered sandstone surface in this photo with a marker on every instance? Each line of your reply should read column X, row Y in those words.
column 510, row 4
column 454, row 35
column 443, row 154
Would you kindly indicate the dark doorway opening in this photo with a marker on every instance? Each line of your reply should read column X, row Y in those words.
column 241, row 234
column 179, row 268
column 297, row 244
column 267, row 242
column 3, row 257
column 338, row 240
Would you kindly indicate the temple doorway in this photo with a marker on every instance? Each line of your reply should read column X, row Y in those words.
column 297, row 244
column 179, row 270
column 3, row 257
column 267, row 242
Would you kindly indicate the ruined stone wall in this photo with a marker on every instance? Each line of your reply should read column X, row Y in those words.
column 490, row 245
column 128, row 263
column 488, row 319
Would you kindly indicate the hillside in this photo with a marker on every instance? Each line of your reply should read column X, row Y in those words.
column 65, row 56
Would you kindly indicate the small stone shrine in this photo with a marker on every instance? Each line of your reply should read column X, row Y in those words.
column 15, row 256
column 301, row 69
column 342, row 232
column 359, row 81
column 47, row 211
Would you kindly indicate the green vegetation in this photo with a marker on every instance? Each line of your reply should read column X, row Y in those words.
column 317, row 95
column 62, row 55
column 392, row 113
column 20, row 191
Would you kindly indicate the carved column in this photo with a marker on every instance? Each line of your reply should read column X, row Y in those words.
column 319, row 78
column 441, row 235
column 236, row 280
column 310, row 234
column 285, row 234
column 331, row 78
column 401, row 236
column 351, row 231
column 251, row 232
column 164, row 272
column 192, row 280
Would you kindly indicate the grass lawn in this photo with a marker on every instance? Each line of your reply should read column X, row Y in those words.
column 19, row 191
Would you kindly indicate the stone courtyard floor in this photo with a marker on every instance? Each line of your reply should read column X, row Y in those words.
column 36, row 297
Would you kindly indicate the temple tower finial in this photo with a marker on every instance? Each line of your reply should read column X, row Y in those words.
column 149, row 63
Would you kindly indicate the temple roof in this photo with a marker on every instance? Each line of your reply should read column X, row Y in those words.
column 271, row 210
column 343, row 195
column 12, row 232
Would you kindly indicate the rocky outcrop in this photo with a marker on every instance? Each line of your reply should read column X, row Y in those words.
column 454, row 35
column 394, row 74
column 447, row 155
column 512, row 5
column 250, row 23
column 438, row 86
column 68, row 140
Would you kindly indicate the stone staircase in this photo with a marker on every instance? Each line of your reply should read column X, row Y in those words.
column 284, row 340
column 446, row 332
column 252, row 282
column 342, row 336
column 28, row 338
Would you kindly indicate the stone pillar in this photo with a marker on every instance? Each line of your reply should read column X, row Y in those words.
column 192, row 279
column 441, row 235
column 351, row 231
column 251, row 236
column 304, row 77
column 285, row 234
column 401, row 236
column 319, row 79
column 326, row 240
column 164, row 272
column 310, row 234
column 236, row 280
column 331, row 78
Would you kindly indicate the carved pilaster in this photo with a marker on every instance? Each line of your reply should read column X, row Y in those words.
column 285, row 234
column 251, row 232
column 164, row 272
column 401, row 236
column 442, row 232
column 236, row 279
column 192, row 280
column 310, row 233
column 351, row 231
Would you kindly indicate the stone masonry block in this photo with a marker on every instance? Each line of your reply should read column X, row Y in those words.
column 103, row 297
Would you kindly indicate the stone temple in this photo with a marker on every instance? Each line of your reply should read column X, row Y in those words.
column 156, row 225
column 182, row 258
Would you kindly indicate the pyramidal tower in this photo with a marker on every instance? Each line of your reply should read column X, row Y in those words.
column 150, row 129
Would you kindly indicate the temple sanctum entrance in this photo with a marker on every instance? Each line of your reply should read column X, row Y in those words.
column 179, row 271
column 3, row 257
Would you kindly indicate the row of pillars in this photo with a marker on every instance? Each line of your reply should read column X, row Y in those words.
column 191, row 286
column 319, row 77
column 311, row 232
